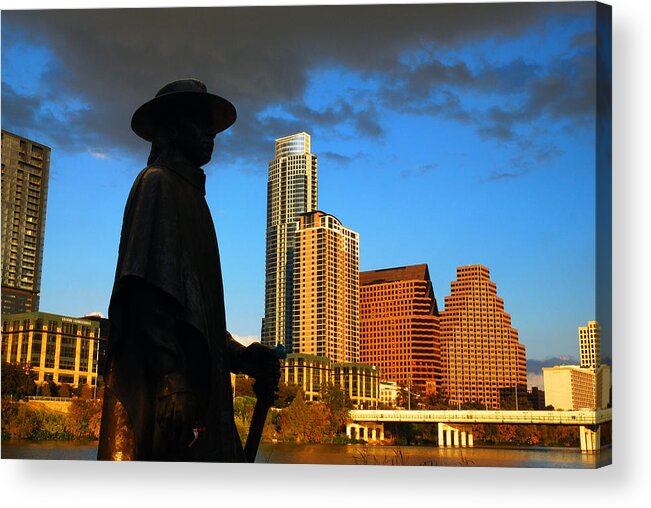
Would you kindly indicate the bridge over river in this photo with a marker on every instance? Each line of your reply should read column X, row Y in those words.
column 455, row 427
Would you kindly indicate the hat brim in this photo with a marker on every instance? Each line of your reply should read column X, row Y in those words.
column 222, row 113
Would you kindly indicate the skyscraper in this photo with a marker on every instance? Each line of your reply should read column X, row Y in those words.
column 326, row 289
column 291, row 191
column 25, row 175
column 480, row 352
column 590, row 345
column 399, row 326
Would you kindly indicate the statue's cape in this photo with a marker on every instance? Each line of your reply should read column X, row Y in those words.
column 168, row 244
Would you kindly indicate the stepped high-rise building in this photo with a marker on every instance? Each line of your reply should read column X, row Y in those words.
column 25, row 175
column 291, row 191
column 326, row 289
column 590, row 345
column 480, row 352
column 399, row 326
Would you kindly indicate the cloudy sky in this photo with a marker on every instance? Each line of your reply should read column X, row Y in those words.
column 446, row 134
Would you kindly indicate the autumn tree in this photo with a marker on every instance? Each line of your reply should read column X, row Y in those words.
column 338, row 405
column 65, row 390
column 84, row 417
column 244, row 386
column 17, row 380
column 305, row 423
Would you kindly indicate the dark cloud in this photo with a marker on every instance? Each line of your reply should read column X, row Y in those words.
column 340, row 158
column 112, row 60
column 500, row 176
column 421, row 169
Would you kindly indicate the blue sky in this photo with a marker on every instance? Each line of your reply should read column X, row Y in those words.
column 448, row 135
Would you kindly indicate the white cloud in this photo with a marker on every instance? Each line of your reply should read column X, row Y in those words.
column 95, row 314
column 535, row 380
column 245, row 340
column 99, row 155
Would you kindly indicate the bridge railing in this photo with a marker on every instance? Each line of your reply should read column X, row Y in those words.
column 583, row 417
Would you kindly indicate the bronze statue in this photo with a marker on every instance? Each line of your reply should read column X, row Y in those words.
column 168, row 394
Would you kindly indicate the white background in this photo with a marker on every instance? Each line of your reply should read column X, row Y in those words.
column 626, row 483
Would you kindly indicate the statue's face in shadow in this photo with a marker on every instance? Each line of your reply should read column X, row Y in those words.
column 195, row 139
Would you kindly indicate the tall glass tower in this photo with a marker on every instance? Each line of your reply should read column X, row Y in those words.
column 25, row 176
column 291, row 191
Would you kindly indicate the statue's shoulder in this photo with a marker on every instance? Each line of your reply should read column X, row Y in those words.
column 153, row 177
column 154, row 173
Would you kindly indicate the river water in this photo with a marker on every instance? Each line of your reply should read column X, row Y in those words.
column 356, row 454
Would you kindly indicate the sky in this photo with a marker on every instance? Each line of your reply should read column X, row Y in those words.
column 445, row 134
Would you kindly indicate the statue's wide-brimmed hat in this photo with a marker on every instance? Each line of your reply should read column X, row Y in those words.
column 190, row 93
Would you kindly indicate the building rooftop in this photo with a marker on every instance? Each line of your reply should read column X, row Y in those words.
column 412, row 272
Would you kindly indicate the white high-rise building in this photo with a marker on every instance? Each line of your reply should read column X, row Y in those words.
column 291, row 191
column 590, row 345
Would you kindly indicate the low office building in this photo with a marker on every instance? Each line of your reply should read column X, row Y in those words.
column 59, row 348
column 603, row 386
column 389, row 391
column 360, row 382
column 570, row 387
column 309, row 372
column 537, row 398
column 312, row 373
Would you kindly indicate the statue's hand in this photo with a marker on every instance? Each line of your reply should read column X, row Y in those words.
column 263, row 364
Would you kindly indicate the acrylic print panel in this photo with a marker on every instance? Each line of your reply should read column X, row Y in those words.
column 414, row 202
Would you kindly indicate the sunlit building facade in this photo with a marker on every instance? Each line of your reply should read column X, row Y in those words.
column 399, row 326
column 25, row 176
column 326, row 288
column 360, row 383
column 312, row 374
column 569, row 387
column 309, row 372
column 480, row 352
column 291, row 191
column 58, row 348
column 389, row 391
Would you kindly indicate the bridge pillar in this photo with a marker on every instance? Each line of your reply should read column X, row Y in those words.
column 590, row 438
column 455, row 435
column 353, row 431
column 377, row 432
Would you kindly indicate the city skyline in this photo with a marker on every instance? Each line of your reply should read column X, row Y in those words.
column 488, row 164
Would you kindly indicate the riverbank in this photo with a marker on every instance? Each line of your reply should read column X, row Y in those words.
column 37, row 422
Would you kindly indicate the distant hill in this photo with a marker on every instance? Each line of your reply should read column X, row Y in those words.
column 536, row 366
